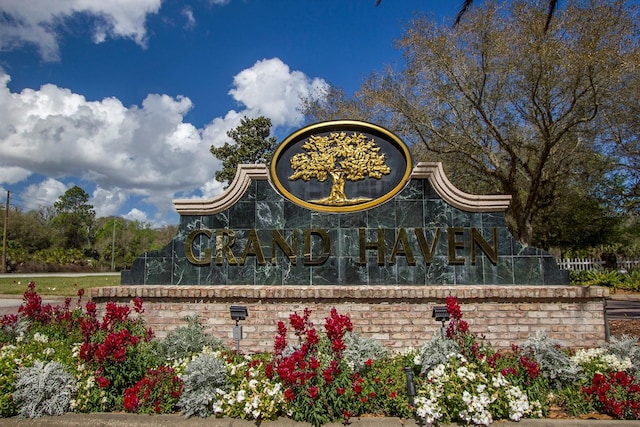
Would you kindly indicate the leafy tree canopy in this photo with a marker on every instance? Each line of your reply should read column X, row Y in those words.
column 252, row 145
column 74, row 218
column 509, row 107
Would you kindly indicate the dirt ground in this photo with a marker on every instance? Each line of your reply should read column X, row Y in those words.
column 629, row 327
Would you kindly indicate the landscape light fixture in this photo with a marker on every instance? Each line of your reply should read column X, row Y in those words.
column 411, row 386
column 238, row 312
column 441, row 314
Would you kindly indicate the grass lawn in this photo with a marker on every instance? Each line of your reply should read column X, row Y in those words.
column 56, row 285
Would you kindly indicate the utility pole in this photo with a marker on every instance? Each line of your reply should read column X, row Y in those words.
column 4, row 235
column 113, row 246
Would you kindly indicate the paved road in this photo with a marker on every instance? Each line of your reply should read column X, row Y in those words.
column 30, row 275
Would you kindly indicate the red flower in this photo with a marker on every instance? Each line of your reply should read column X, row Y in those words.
column 289, row 395
column 102, row 381
column 137, row 305
column 313, row 392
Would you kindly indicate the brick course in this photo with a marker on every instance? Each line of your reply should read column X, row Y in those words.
column 399, row 316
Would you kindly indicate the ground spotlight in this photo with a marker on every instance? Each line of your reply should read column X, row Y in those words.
column 238, row 312
column 440, row 314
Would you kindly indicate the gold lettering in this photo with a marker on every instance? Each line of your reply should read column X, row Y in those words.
column 223, row 246
column 326, row 246
column 377, row 245
column 491, row 252
column 279, row 241
column 402, row 240
column 455, row 244
column 427, row 252
column 188, row 247
column 253, row 248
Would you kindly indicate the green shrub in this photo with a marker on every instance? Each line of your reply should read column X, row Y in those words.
column 609, row 279
column 632, row 281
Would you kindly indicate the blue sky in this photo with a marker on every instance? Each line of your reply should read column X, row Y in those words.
column 125, row 98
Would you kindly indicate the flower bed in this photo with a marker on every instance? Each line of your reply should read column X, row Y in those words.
column 57, row 359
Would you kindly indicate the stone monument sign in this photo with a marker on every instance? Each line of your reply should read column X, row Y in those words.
column 343, row 204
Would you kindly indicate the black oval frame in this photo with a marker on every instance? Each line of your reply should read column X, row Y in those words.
column 397, row 156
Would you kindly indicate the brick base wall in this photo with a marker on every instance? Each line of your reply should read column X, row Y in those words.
column 398, row 316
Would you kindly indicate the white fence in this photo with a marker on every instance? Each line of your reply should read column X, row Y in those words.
column 585, row 264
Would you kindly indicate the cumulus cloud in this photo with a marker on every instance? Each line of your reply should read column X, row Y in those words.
column 147, row 150
column 107, row 202
column 43, row 194
column 136, row 215
column 13, row 174
column 271, row 89
column 35, row 21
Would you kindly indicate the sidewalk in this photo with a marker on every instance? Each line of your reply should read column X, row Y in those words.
column 127, row 420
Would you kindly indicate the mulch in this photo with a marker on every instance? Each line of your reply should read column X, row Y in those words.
column 629, row 327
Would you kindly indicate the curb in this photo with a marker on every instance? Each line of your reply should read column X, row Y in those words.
column 175, row 420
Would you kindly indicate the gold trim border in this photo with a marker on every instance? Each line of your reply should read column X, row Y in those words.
column 347, row 125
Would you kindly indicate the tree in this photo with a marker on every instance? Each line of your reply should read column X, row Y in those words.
column 506, row 106
column 552, row 5
column 74, row 218
column 252, row 145
column 129, row 240
column 341, row 157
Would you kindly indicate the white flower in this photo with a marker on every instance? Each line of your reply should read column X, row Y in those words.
column 40, row 338
column 48, row 351
column 518, row 403
column 465, row 374
column 499, row 381
column 241, row 396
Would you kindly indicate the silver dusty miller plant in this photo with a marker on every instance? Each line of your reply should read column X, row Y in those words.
column 185, row 341
column 43, row 389
column 202, row 378
column 436, row 352
column 626, row 347
column 360, row 348
column 554, row 363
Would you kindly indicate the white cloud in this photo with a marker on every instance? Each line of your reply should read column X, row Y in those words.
column 136, row 215
column 271, row 89
column 45, row 193
column 187, row 12
column 107, row 202
column 146, row 151
column 36, row 21
column 13, row 174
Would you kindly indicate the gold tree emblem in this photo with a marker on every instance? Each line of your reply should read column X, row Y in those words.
column 342, row 157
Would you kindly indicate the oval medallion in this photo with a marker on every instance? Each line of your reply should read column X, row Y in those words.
column 341, row 166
